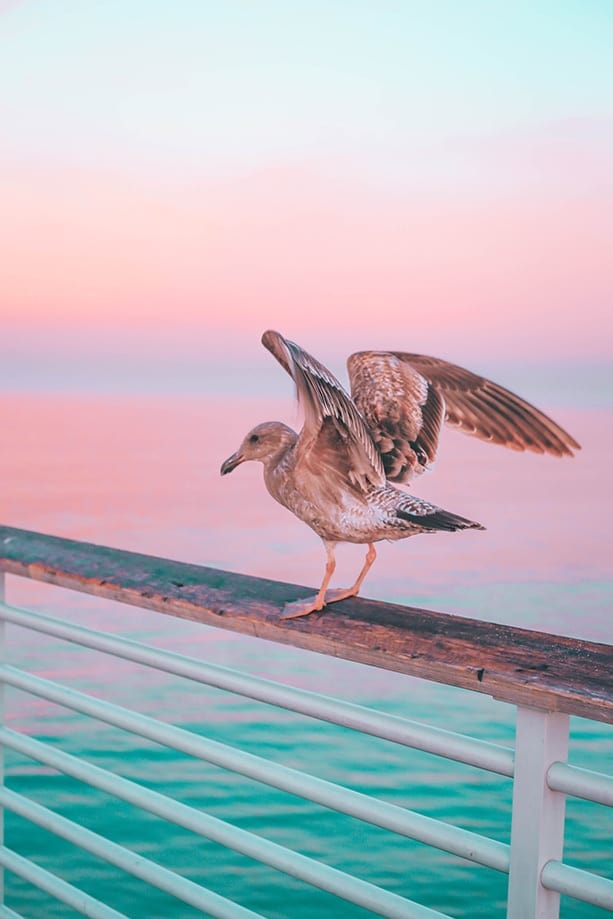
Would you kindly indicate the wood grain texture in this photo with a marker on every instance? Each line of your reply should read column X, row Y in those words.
column 515, row 665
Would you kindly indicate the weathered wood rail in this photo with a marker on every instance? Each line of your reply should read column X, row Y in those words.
column 520, row 666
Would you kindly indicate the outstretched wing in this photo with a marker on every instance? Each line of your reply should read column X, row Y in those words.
column 404, row 398
column 334, row 432
column 402, row 410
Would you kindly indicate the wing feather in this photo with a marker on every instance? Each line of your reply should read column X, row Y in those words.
column 403, row 411
column 324, row 401
column 390, row 426
column 487, row 410
column 404, row 399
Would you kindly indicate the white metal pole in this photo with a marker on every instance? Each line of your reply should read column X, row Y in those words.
column 537, row 830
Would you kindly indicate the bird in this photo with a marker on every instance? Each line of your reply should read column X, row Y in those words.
column 340, row 473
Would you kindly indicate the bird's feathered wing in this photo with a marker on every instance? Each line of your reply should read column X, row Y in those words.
column 404, row 399
column 403, row 412
column 334, row 431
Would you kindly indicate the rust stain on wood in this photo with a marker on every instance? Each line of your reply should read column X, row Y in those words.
column 515, row 665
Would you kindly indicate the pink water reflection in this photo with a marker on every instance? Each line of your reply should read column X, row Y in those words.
column 142, row 473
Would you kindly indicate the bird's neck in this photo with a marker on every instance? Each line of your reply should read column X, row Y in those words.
column 278, row 468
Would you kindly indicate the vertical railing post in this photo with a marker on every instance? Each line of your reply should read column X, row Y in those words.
column 537, row 830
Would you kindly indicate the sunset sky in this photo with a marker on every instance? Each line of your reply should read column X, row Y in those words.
column 177, row 177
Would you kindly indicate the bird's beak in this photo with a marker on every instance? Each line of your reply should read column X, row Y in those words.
column 232, row 462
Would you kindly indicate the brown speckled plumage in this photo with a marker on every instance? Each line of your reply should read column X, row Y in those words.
column 336, row 474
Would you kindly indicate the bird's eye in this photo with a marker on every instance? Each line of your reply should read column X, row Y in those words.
column 254, row 439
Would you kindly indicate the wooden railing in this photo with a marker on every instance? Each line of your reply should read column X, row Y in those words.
column 514, row 665
column 547, row 677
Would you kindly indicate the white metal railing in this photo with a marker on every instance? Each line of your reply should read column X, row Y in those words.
column 542, row 779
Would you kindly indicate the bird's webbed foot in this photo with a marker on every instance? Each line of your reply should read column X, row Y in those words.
column 341, row 593
column 298, row 608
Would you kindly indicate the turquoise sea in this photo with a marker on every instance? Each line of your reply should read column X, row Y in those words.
column 141, row 472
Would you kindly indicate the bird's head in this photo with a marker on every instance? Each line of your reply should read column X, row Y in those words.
column 264, row 443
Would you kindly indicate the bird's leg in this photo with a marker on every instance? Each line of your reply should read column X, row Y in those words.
column 343, row 594
column 313, row 604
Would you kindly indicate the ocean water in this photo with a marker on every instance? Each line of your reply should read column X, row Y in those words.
column 142, row 472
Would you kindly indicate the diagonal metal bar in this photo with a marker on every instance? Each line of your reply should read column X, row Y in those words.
column 343, row 885
column 449, row 744
column 463, row 843
column 151, row 872
column 57, row 887
column 156, row 803
column 7, row 913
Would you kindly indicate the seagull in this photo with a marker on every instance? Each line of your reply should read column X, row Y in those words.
column 339, row 474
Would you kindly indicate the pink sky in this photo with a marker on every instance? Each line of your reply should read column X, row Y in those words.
column 343, row 190
column 295, row 248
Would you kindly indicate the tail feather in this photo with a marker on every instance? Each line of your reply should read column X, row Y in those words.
column 435, row 518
